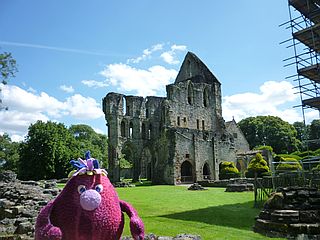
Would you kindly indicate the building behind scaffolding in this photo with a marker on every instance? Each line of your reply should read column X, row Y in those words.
column 305, row 27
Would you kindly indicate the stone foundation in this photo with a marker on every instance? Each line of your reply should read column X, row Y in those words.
column 292, row 212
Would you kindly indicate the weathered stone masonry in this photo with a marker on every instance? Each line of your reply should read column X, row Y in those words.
column 173, row 139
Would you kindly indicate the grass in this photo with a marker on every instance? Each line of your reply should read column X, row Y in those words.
column 212, row 214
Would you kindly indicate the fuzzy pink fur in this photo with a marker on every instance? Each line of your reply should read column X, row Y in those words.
column 65, row 219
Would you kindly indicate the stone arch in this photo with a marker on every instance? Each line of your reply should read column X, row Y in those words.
column 206, row 171
column 130, row 130
column 123, row 128
column 149, row 131
column 124, row 106
column 205, row 97
column 143, row 131
column 186, row 172
column 146, row 164
column 190, row 93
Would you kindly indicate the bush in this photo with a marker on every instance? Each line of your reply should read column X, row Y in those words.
column 281, row 156
column 288, row 164
column 228, row 170
column 258, row 165
column 306, row 154
column 266, row 147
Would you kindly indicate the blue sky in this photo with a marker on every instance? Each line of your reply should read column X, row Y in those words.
column 70, row 54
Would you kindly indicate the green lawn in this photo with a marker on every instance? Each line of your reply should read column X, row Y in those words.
column 212, row 214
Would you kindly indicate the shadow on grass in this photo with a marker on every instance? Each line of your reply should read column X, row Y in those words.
column 240, row 215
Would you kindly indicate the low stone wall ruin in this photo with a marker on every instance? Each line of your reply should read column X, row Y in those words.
column 291, row 212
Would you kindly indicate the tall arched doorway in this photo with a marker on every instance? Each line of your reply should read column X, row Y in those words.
column 186, row 172
column 206, row 171
column 146, row 164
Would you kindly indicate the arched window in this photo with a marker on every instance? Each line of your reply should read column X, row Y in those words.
column 124, row 106
column 205, row 97
column 130, row 129
column 149, row 131
column 186, row 172
column 206, row 171
column 190, row 93
column 123, row 129
column 143, row 131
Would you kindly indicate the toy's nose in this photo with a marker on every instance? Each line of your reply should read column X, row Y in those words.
column 90, row 200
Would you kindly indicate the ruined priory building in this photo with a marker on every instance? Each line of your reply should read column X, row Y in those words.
column 174, row 139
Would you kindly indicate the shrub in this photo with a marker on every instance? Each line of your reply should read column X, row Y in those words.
column 288, row 164
column 317, row 152
column 266, row 147
column 228, row 170
column 295, row 156
column 258, row 165
column 306, row 154
column 316, row 168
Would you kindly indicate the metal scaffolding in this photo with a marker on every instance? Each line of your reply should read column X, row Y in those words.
column 305, row 29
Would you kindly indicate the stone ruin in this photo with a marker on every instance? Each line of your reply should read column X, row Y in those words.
column 196, row 187
column 240, row 185
column 180, row 138
column 20, row 202
column 292, row 212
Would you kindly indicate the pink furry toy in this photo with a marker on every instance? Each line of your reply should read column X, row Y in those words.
column 88, row 208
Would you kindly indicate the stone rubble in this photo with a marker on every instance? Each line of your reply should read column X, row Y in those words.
column 291, row 212
column 20, row 202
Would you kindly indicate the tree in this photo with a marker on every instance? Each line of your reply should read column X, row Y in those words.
column 314, row 134
column 9, row 153
column 46, row 152
column 8, row 69
column 272, row 131
column 87, row 139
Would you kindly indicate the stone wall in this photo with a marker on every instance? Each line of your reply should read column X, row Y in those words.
column 187, row 125
column 292, row 212
column 20, row 202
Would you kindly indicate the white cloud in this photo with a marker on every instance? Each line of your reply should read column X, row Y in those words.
column 170, row 56
column 98, row 130
column 139, row 81
column 94, row 83
column 67, row 89
column 17, row 138
column 83, row 107
column 21, row 100
column 268, row 102
column 26, row 108
column 30, row 89
column 146, row 53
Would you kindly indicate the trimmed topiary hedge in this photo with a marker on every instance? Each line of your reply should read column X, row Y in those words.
column 228, row 170
column 258, row 165
column 288, row 164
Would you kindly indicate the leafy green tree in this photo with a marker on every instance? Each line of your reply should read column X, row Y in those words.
column 46, row 152
column 87, row 139
column 314, row 134
column 9, row 153
column 272, row 131
column 8, row 68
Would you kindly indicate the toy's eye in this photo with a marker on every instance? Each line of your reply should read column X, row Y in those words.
column 99, row 188
column 81, row 188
